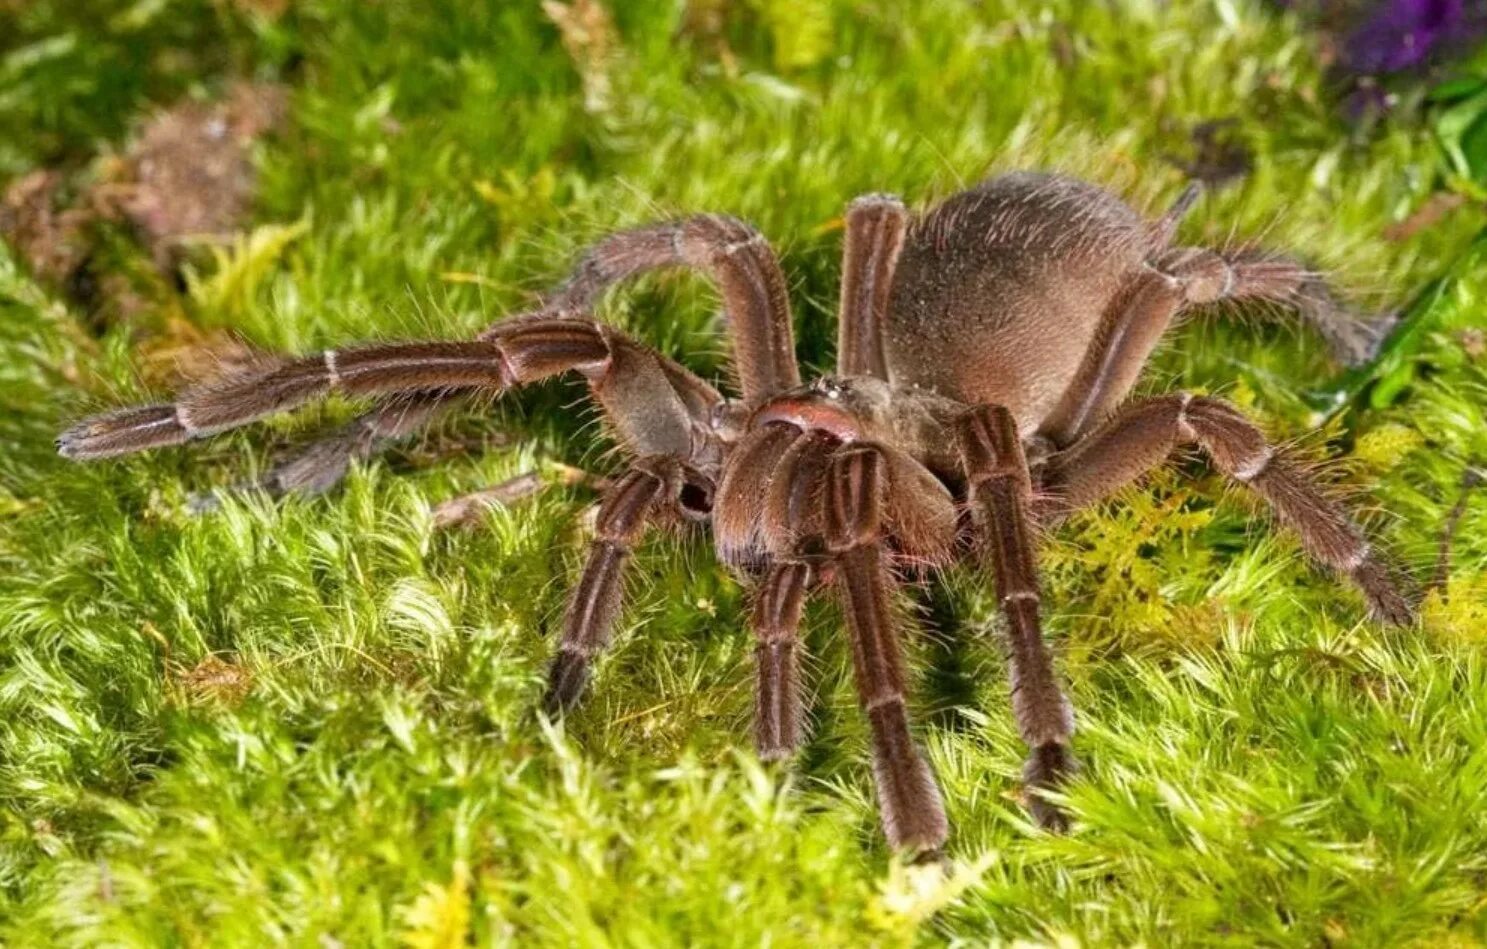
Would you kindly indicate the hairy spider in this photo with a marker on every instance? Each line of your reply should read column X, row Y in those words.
column 985, row 354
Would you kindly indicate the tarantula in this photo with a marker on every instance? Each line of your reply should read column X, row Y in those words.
column 985, row 355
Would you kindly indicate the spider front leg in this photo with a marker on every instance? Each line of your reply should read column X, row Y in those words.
column 658, row 410
column 655, row 405
column 913, row 814
column 651, row 485
column 875, row 225
column 397, row 368
column 756, row 302
column 999, row 487
column 778, row 710
column 736, row 256
column 1145, row 434
column 792, row 529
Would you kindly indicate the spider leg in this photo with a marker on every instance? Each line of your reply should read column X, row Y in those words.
column 739, row 259
column 319, row 466
column 239, row 400
column 791, row 530
column 1258, row 276
column 875, row 226
column 1129, row 330
column 628, row 507
column 322, row 464
column 660, row 412
column 655, row 406
column 1180, row 279
column 737, row 520
column 917, row 512
column 1145, row 433
column 778, row 713
column 999, row 486
column 756, row 304
column 913, row 814
column 1252, row 274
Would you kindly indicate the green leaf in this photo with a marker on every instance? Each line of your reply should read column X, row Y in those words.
column 1453, row 89
column 1453, row 129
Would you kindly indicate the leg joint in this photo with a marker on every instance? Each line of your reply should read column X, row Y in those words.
column 875, row 200
column 872, row 703
column 1184, row 427
column 1205, row 276
column 1357, row 558
column 1251, row 468
column 990, row 445
column 184, row 421
column 332, row 374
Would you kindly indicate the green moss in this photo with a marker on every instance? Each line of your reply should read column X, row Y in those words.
column 361, row 760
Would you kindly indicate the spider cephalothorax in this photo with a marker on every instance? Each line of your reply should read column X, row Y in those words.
column 985, row 356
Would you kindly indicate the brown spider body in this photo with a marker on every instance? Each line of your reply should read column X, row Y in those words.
column 985, row 356
column 999, row 290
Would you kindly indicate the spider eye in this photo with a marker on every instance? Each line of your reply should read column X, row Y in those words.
column 828, row 387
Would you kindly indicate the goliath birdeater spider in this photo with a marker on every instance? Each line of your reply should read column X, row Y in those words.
column 985, row 355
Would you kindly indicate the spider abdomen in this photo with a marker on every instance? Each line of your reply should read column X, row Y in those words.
column 999, row 290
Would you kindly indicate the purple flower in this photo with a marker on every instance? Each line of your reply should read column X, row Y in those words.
column 1402, row 33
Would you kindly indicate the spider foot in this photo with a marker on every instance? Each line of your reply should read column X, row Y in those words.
column 929, row 857
column 565, row 683
column 1385, row 601
column 1046, row 770
column 770, row 749
column 909, row 801
column 778, row 730
column 1355, row 340
column 123, row 432
column 1394, row 609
